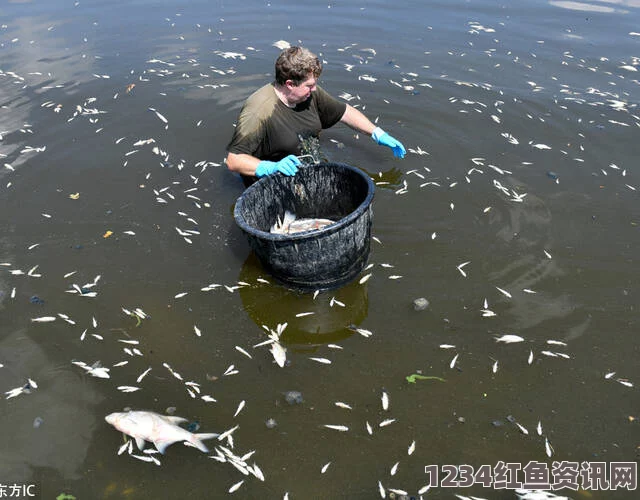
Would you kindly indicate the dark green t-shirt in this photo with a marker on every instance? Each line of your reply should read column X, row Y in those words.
column 270, row 130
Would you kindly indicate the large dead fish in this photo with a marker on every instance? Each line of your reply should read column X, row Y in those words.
column 161, row 430
column 289, row 224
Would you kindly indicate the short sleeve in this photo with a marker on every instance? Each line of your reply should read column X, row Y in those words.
column 330, row 109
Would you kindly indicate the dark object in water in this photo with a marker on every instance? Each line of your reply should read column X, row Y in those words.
column 36, row 300
column 293, row 397
column 310, row 260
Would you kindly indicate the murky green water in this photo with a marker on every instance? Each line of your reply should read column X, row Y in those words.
column 521, row 123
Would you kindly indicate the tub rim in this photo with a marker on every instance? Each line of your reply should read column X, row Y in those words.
column 303, row 235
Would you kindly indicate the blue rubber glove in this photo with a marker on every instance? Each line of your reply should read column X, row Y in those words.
column 288, row 166
column 384, row 139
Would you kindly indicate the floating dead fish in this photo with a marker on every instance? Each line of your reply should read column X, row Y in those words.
column 364, row 278
column 44, row 319
column 236, row 486
column 397, row 491
column 389, row 421
column 128, row 388
column 94, row 370
column 325, row 467
column 460, row 266
column 279, row 354
column 394, row 469
column 324, row 361
column 548, row 448
column 143, row 375
column 239, row 409
column 340, row 428
column 509, row 339
column 556, row 342
column 240, row 349
column 454, row 361
column 385, row 400
column 161, row 430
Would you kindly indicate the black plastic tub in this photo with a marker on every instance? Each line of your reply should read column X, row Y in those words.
column 310, row 260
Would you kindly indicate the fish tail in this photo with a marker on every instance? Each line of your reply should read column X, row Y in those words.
column 196, row 440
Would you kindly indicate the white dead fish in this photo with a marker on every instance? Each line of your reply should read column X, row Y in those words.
column 128, row 388
column 143, row 375
column 412, row 448
column 548, row 448
column 95, row 370
column 398, row 492
column 389, row 421
column 364, row 278
column 240, row 407
column 325, row 467
column 341, row 428
column 453, row 361
column 461, row 266
column 43, row 319
column 385, row 400
column 556, row 342
column 324, row 361
column 236, row 486
column 290, row 224
column 509, row 339
column 240, row 349
column 279, row 354
column 161, row 430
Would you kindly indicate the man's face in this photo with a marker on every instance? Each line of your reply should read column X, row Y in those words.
column 302, row 92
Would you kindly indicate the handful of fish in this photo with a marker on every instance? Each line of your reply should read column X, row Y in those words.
column 161, row 430
column 289, row 224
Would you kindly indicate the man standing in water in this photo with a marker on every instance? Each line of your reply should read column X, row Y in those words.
column 275, row 117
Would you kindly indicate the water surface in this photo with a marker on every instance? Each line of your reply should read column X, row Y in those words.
column 521, row 123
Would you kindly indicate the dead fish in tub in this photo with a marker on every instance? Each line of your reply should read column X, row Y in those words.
column 161, row 430
column 290, row 224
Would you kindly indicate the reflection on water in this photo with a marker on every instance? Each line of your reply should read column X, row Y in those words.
column 543, row 91
column 329, row 322
column 52, row 426
column 586, row 7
